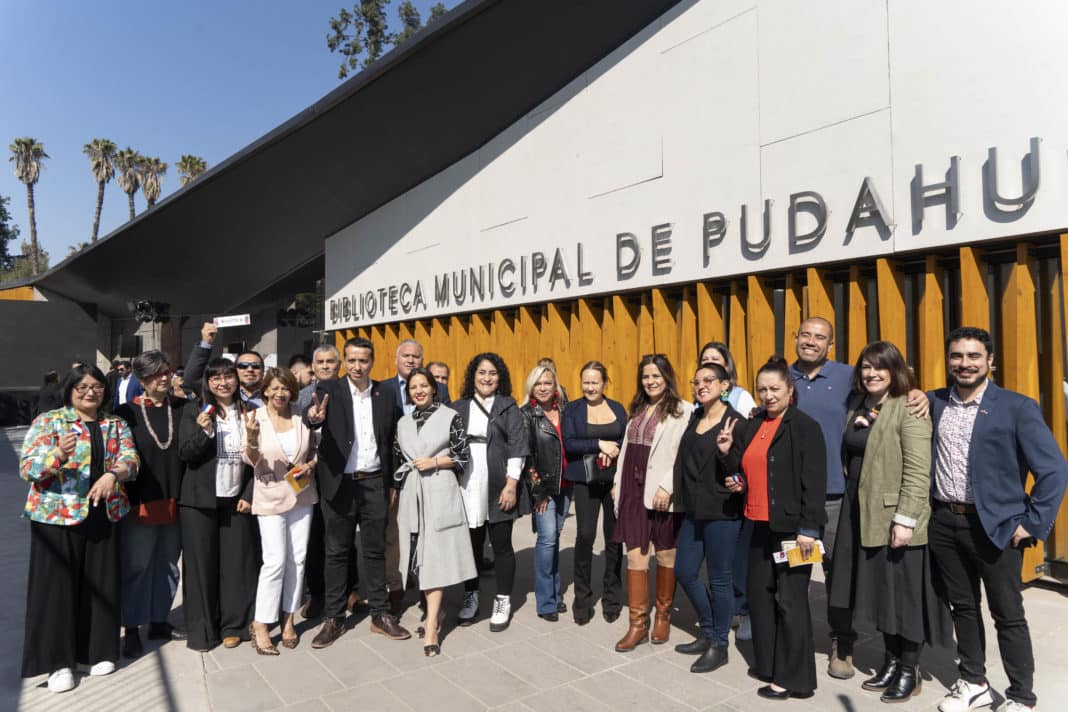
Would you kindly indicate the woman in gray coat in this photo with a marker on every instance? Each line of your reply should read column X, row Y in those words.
column 432, row 445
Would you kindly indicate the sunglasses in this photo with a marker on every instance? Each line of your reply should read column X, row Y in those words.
column 242, row 365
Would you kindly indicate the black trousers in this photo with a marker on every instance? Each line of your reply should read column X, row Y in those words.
column 500, row 536
column 591, row 500
column 315, row 559
column 840, row 620
column 73, row 596
column 964, row 556
column 221, row 565
column 783, row 648
column 364, row 502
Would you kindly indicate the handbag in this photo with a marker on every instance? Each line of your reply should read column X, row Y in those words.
column 595, row 474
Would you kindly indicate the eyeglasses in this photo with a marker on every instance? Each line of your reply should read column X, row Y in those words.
column 697, row 383
column 242, row 365
column 83, row 388
column 221, row 379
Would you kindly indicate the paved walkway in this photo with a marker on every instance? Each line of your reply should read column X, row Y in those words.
column 534, row 665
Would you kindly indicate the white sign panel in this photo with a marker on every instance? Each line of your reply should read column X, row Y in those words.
column 730, row 138
column 235, row 320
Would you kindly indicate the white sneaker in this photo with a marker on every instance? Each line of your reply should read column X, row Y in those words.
column 964, row 696
column 745, row 629
column 502, row 614
column 1013, row 706
column 104, row 667
column 470, row 608
column 61, row 680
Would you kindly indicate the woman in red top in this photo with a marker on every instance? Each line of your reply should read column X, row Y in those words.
column 550, row 494
column 781, row 458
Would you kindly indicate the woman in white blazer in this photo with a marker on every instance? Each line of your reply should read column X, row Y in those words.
column 646, row 520
column 281, row 450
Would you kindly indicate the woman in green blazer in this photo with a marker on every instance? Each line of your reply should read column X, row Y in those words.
column 881, row 569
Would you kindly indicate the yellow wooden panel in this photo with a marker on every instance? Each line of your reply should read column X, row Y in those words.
column 386, row 353
column 711, row 325
column 646, row 334
column 739, row 342
column 405, row 330
column 932, row 356
column 587, row 324
column 821, row 301
column 527, row 333
column 439, row 347
column 621, row 349
column 794, row 300
column 1052, row 373
column 891, row 290
column 665, row 333
column 1019, row 367
column 421, row 333
column 17, row 294
column 760, row 323
column 974, row 300
column 858, row 313
column 463, row 350
column 556, row 334
column 502, row 331
column 479, row 334
column 687, row 326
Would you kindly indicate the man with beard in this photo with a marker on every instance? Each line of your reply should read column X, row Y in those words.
column 986, row 440
column 249, row 367
column 823, row 388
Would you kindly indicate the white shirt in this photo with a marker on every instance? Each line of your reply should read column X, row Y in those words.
column 364, row 455
column 229, row 439
column 474, row 484
column 123, row 383
column 288, row 442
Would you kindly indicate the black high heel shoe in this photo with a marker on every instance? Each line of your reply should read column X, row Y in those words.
column 882, row 679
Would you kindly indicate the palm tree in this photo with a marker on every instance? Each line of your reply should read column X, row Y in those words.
column 127, row 164
column 189, row 167
column 101, row 154
column 27, row 154
column 152, row 171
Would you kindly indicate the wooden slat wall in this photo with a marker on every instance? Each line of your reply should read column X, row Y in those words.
column 617, row 329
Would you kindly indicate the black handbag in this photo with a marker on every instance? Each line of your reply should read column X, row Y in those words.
column 595, row 474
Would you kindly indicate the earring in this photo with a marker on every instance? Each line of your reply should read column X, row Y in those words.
column 725, row 395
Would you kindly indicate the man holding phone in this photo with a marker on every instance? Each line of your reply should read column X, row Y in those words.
column 249, row 366
column 986, row 440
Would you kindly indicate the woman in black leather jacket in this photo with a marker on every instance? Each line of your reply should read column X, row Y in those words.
column 543, row 476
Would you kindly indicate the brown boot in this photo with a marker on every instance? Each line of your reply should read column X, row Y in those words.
column 665, row 597
column 638, row 600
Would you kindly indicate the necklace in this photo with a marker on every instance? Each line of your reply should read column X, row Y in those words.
column 170, row 424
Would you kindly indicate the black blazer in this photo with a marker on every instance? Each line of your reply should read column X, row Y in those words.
column 392, row 386
column 197, row 450
column 797, row 471
column 339, row 432
column 699, row 490
column 506, row 437
column 577, row 440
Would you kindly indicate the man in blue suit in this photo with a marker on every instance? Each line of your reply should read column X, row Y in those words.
column 986, row 440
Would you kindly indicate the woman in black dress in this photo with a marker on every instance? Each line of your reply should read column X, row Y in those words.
column 881, row 568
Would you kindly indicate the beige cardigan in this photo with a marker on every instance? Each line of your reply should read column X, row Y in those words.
column 271, row 493
column 660, row 472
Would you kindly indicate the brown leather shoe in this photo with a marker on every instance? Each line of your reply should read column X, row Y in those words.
column 354, row 601
column 386, row 624
column 312, row 608
column 396, row 601
column 333, row 628
column 665, row 597
column 231, row 641
column 638, row 600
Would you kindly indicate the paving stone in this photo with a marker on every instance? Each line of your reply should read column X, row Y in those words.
column 241, row 688
column 297, row 675
column 488, row 677
column 428, row 691
column 365, row 698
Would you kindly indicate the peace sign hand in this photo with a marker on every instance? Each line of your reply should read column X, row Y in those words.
column 252, row 428
column 317, row 411
column 726, row 435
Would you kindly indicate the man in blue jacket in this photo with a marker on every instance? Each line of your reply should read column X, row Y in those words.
column 986, row 440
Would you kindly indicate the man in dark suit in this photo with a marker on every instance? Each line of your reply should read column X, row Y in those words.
column 986, row 440
column 126, row 386
column 355, row 475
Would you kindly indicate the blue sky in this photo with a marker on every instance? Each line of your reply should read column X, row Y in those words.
column 165, row 78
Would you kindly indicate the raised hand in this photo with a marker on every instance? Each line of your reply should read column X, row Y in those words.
column 208, row 332
column 317, row 411
column 726, row 435
column 252, row 428
column 204, row 421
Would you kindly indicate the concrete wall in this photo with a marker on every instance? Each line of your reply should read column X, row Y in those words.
column 36, row 337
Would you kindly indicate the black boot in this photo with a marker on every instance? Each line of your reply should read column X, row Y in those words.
column 882, row 679
column 714, row 657
column 695, row 647
column 906, row 684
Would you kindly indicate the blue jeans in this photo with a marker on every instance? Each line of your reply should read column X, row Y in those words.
column 547, row 552
column 714, row 543
column 741, row 568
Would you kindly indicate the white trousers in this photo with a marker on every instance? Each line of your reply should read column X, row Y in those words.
column 284, row 539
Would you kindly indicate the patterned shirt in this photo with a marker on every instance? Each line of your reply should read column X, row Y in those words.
column 953, row 482
column 459, row 452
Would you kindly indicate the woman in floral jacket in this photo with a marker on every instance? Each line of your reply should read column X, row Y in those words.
column 75, row 459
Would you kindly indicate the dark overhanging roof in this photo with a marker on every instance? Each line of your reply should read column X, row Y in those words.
column 257, row 221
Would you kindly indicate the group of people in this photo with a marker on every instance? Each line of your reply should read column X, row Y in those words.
column 263, row 479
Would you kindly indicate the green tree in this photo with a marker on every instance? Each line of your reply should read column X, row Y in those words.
column 411, row 21
column 152, row 170
column 73, row 249
column 101, row 154
column 360, row 32
column 9, row 232
column 127, row 173
column 27, row 154
column 23, row 263
column 190, row 167
column 436, row 11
